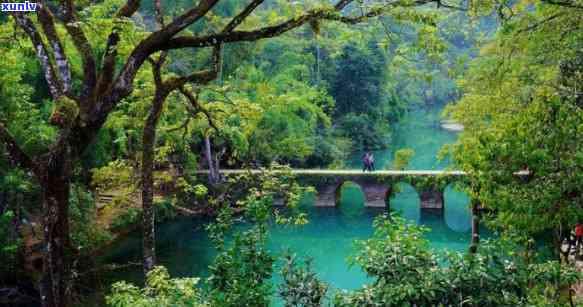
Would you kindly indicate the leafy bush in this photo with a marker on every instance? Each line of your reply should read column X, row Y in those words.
column 301, row 287
column 113, row 176
column 403, row 158
column 128, row 218
column 406, row 272
column 161, row 291
column 240, row 273
column 85, row 233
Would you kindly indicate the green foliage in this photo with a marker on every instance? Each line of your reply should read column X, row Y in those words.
column 405, row 271
column 402, row 158
column 358, row 84
column 301, row 287
column 161, row 291
column 521, row 113
column 86, row 234
column 127, row 218
column 65, row 112
column 240, row 273
column 116, row 175
column 358, row 87
column 255, row 195
column 9, row 245
column 164, row 209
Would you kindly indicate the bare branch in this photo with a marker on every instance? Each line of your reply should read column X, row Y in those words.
column 128, row 9
column 108, row 67
column 16, row 155
column 182, row 126
column 199, row 77
column 151, row 45
column 235, row 22
column 342, row 4
column 539, row 23
column 197, row 107
column 272, row 31
column 442, row 3
column 181, row 22
column 565, row 3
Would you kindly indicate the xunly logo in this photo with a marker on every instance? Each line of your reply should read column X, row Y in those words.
column 19, row 7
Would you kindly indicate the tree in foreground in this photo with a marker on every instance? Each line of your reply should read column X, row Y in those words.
column 522, row 111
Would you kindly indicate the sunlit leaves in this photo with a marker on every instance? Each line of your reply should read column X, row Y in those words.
column 161, row 290
column 518, row 117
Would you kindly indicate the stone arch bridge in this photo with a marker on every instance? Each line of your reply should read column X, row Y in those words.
column 377, row 186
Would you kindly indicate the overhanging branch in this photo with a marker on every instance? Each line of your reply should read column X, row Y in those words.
column 275, row 30
column 16, row 155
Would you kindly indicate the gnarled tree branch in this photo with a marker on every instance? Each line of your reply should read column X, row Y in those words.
column 54, row 84
column 128, row 9
column 275, row 30
column 47, row 22
column 199, row 77
column 83, row 47
column 197, row 108
column 16, row 155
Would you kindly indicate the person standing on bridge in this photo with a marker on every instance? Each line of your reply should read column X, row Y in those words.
column 366, row 162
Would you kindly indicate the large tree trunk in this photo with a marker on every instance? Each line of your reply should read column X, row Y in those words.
column 3, row 201
column 149, row 144
column 55, row 288
column 475, row 227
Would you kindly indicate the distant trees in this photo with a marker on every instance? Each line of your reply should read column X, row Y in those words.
column 359, row 90
column 358, row 86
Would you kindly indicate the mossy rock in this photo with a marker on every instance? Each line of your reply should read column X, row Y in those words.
column 65, row 112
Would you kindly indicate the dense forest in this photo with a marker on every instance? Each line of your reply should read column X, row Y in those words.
column 110, row 110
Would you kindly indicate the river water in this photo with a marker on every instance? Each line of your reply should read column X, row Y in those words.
column 184, row 247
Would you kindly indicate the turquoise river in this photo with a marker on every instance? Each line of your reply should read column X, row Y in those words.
column 184, row 247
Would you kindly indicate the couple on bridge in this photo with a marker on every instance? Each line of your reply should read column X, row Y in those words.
column 368, row 162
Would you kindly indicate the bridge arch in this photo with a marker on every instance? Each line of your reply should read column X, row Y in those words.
column 457, row 212
column 351, row 198
column 405, row 201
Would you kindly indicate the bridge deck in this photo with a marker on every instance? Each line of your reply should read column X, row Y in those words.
column 348, row 172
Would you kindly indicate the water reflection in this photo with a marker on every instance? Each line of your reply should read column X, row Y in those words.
column 457, row 210
column 406, row 202
column 352, row 199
